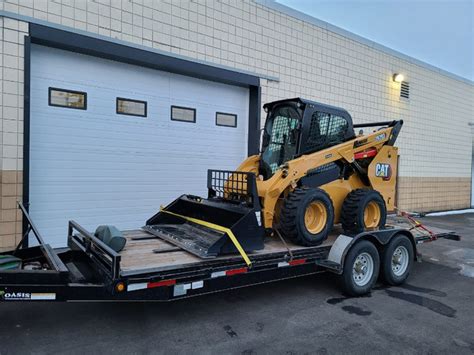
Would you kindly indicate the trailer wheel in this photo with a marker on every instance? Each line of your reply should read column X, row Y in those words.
column 363, row 209
column 397, row 259
column 361, row 268
column 307, row 216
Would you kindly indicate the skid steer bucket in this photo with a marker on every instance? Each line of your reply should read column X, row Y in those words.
column 207, row 227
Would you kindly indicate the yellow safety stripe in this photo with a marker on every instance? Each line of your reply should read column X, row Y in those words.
column 218, row 228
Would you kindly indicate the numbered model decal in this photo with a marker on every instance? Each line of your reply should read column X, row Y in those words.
column 383, row 170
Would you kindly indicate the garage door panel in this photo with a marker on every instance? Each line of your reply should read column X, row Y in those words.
column 96, row 167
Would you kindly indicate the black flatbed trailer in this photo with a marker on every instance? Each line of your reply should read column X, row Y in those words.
column 150, row 269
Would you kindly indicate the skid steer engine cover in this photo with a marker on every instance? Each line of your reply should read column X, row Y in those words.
column 190, row 221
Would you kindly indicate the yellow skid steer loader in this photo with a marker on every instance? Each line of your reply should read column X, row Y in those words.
column 313, row 172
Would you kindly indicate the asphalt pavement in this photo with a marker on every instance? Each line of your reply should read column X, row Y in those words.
column 432, row 313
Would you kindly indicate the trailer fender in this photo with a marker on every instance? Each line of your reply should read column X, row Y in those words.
column 343, row 243
column 382, row 237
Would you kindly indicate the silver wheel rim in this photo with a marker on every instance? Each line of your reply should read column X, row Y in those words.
column 400, row 260
column 363, row 269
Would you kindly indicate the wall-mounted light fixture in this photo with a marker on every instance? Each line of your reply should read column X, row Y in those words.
column 398, row 78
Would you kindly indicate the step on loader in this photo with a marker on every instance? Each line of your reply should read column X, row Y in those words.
column 313, row 171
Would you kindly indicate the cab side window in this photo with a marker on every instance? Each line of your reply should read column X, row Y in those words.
column 325, row 130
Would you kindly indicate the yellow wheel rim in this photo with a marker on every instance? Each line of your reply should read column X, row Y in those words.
column 315, row 217
column 372, row 215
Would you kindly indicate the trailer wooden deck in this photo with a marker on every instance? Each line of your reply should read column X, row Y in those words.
column 139, row 254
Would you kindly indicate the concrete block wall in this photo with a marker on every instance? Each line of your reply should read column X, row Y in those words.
column 309, row 60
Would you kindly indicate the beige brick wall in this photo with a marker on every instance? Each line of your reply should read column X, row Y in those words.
column 309, row 60
column 12, row 35
column 423, row 194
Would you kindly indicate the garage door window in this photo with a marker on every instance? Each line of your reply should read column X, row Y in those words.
column 226, row 119
column 67, row 98
column 131, row 107
column 185, row 114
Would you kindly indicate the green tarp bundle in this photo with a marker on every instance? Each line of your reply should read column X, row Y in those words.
column 111, row 236
column 9, row 262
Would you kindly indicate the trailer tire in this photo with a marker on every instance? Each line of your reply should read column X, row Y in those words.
column 361, row 268
column 397, row 260
column 307, row 216
column 363, row 209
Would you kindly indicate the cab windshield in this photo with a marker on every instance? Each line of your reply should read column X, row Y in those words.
column 280, row 138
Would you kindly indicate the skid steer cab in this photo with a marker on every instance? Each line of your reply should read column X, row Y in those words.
column 313, row 171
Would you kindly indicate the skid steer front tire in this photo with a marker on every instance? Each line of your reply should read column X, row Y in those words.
column 307, row 216
column 363, row 209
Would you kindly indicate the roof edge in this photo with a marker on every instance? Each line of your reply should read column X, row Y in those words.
column 272, row 4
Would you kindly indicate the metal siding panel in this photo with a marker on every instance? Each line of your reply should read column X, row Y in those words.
column 97, row 167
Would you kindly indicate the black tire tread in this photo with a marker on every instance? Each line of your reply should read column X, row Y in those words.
column 386, row 272
column 288, row 215
column 346, row 281
column 350, row 209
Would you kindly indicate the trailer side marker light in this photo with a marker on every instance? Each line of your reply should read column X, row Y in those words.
column 236, row 271
column 120, row 287
column 161, row 283
column 297, row 262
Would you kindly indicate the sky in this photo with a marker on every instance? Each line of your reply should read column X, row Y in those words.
column 439, row 32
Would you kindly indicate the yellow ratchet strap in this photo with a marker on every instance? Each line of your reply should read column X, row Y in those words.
column 218, row 228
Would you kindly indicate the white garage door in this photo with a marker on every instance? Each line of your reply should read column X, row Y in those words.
column 99, row 167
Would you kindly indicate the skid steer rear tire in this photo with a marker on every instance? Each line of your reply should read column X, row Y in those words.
column 363, row 209
column 307, row 216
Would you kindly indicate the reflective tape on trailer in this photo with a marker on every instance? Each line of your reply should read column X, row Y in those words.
column 292, row 262
column 181, row 289
column 145, row 285
column 229, row 272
